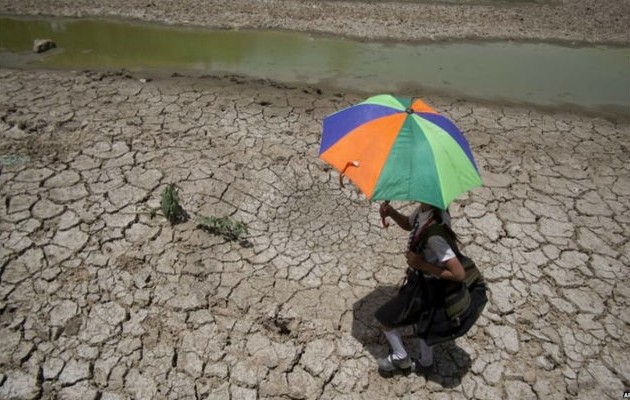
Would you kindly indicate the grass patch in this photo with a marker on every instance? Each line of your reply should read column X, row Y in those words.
column 169, row 203
column 224, row 226
column 173, row 211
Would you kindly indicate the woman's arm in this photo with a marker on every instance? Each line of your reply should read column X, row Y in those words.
column 452, row 271
column 386, row 210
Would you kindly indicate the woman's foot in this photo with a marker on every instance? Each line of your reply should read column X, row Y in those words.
column 390, row 363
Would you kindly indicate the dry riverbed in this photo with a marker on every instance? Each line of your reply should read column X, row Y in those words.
column 101, row 298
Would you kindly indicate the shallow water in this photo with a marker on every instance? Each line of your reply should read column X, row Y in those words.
column 593, row 78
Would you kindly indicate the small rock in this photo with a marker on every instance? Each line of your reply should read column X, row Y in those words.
column 42, row 45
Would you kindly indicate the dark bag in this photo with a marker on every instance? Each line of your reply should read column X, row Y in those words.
column 441, row 328
column 414, row 292
column 456, row 306
column 457, row 294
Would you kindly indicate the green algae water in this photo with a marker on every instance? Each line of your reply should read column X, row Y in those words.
column 594, row 77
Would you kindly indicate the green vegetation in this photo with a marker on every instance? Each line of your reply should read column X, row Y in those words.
column 169, row 203
column 224, row 226
column 173, row 211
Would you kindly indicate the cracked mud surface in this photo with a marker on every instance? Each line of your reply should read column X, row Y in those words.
column 102, row 299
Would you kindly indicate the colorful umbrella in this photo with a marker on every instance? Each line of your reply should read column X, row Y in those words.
column 399, row 149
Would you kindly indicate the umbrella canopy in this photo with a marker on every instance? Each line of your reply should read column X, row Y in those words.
column 399, row 149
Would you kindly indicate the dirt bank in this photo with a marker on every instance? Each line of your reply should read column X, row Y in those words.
column 566, row 20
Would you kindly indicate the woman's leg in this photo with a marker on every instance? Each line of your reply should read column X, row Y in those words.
column 398, row 358
column 395, row 341
column 426, row 354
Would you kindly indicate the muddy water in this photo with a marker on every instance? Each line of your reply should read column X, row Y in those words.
column 594, row 78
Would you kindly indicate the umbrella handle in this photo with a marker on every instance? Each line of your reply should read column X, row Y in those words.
column 343, row 171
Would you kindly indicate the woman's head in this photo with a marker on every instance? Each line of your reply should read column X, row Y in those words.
column 437, row 212
column 441, row 217
column 425, row 207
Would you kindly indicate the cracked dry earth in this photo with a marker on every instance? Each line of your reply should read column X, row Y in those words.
column 100, row 299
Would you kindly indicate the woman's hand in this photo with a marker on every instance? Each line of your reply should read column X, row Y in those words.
column 414, row 260
column 385, row 210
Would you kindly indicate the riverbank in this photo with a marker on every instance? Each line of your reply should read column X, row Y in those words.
column 499, row 72
column 562, row 20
